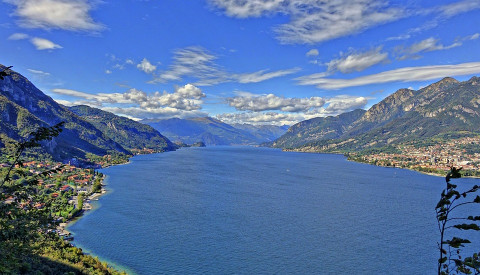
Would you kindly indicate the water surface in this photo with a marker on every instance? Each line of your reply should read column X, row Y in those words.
column 245, row 210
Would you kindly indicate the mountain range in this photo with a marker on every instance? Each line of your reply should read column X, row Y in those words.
column 24, row 108
column 445, row 109
column 89, row 130
column 212, row 131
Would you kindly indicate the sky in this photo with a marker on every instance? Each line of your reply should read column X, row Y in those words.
column 241, row 61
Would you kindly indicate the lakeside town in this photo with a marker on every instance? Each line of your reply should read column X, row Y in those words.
column 434, row 157
column 69, row 189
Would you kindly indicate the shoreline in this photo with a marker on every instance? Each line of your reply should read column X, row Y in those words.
column 66, row 235
column 406, row 168
column 62, row 228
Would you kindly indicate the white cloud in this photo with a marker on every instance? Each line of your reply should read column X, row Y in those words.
column 251, row 102
column 261, row 75
column 194, row 62
column 183, row 100
column 145, row 66
column 142, row 113
column 398, row 75
column 38, row 72
column 344, row 103
column 268, row 118
column 440, row 14
column 473, row 36
column 108, row 71
column 55, row 14
column 312, row 52
column 313, row 21
column 358, row 61
column 18, row 36
column 197, row 63
column 460, row 7
column 249, row 8
column 427, row 45
column 334, row 106
column 44, row 44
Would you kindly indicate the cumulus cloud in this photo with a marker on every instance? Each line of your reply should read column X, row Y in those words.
column 267, row 118
column 251, row 102
column 183, row 100
column 313, row 21
column 18, row 36
column 398, row 75
column 331, row 107
column 44, row 44
column 427, row 45
column 344, row 103
column 73, row 15
column 358, row 61
column 198, row 63
column 312, row 52
column 145, row 66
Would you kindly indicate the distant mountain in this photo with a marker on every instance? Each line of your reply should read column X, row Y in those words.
column 126, row 132
column 445, row 108
column 212, row 131
column 319, row 128
column 263, row 133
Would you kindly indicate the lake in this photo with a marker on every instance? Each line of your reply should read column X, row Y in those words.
column 247, row 210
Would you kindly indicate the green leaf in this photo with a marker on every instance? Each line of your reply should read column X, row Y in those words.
column 456, row 242
column 477, row 199
column 465, row 226
column 472, row 218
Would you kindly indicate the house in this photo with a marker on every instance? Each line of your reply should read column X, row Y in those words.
column 66, row 188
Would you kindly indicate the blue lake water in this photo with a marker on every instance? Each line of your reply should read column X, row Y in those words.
column 245, row 210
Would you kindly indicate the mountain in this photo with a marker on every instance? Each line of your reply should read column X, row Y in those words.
column 263, row 133
column 24, row 108
column 212, row 131
column 442, row 109
column 330, row 127
column 130, row 134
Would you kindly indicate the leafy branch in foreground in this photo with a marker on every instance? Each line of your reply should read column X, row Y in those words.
column 5, row 73
column 450, row 259
column 41, row 134
column 24, row 217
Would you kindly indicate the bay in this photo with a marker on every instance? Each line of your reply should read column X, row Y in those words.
column 247, row 210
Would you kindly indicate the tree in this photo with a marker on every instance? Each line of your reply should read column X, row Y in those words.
column 25, row 217
column 450, row 259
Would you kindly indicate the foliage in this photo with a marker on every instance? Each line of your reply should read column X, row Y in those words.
column 28, row 242
column 24, row 216
column 4, row 72
column 450, row 259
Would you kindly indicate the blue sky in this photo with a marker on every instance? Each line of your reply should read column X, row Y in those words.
column 241, row 61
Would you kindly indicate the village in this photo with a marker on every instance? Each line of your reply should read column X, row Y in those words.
column 435, row 157
column 68, row 188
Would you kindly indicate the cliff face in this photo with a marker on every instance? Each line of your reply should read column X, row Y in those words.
column 443, row 107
